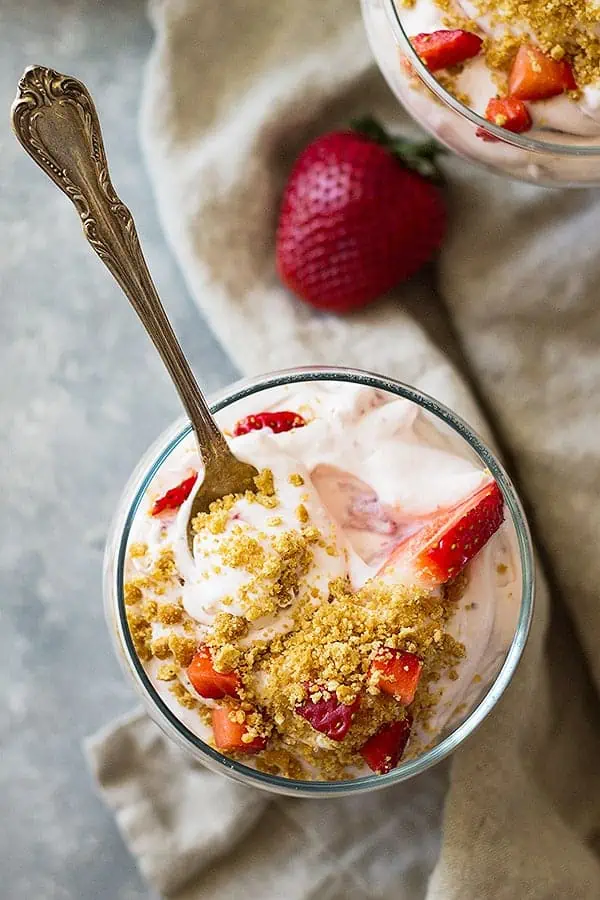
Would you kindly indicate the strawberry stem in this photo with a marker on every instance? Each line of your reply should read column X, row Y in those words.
column 417, row 155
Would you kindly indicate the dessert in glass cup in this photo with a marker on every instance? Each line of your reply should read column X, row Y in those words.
column 348, row 623
column 512, row 85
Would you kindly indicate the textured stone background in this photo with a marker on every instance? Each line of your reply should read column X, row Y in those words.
column 83, row 395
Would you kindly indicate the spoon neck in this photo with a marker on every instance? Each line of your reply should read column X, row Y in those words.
column 211, row 442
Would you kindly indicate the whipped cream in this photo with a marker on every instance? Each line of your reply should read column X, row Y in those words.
column 368, row 470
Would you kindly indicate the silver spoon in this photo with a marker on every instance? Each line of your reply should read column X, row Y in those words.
column 55, row 120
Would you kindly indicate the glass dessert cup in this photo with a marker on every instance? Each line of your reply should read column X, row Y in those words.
column 252, row 394
column 551, row 163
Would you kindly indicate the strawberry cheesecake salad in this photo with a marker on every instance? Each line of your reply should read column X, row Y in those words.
column 530, row 68
column 349, row 612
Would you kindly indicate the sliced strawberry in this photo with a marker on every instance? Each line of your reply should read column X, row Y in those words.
column 536, row 76
column 397, row 673
column 276, row 421
column 383, row 751
column 507, row 112
column 175, row 496
column 330, row 717
column 228, row 734
column 207, row 681
column 487, row 136
column 440, row 550
column 510, row 113
column 445, row 48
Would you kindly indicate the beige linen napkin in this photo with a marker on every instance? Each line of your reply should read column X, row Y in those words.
column 233, row 91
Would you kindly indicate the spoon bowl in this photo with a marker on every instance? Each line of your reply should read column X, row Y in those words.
column 229, row 471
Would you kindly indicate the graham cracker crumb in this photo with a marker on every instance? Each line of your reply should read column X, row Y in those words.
column 183, row 696
column 302, row 514
column 228, row 628
column 563, row 30
column 141, row 635
column 132, row 593
column 216, row 519
column 226, row 658
column 160, row 647
column 150, row 610
column 182, row 648
column 138, row 550
column 264, row 482
column 164, row 567
column 166, row 673
column 169, row 614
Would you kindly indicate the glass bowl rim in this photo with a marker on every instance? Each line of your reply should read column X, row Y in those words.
column 509, row 137
column 133, row 494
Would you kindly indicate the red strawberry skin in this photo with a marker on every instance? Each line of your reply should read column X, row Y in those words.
column 330, row 717
column 354, row 222
column 397, row 673
column 536, row 76
column 207, row 681
column 459, row 544
column 447, row 47
column 440, row 550
column 276, row 421
column 174, row 497
column 383, row 751
column 509, row 112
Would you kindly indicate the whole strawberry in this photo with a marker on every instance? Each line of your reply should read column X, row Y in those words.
column 360, row 213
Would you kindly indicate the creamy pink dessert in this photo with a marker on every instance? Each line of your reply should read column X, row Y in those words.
column 345, row 614
column 530, row 68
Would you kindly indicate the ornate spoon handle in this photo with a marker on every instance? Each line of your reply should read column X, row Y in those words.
column 55, row 120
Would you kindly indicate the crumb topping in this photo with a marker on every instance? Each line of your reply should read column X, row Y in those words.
column 561, row 28
column 328, row 651
column 167, row 673
column 182, row 648
column 139, row 550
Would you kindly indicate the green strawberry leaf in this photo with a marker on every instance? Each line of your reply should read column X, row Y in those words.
column 420, row 156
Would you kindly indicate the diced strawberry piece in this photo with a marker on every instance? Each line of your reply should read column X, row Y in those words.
column 441, row 549
column 487, row 136
column 330, row 717
column 398, row 673
column 445, row 48
column 175, row 496
column 228, row 734
column 507, row 112
column 276, row 421
column 207, row 681
column 536, row 76
column 383, row 751
column 510, row 113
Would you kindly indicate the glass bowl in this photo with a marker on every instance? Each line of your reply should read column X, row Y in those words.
column 233, row 401
column 543, row 162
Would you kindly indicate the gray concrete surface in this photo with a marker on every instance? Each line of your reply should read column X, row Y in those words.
column 82, row 396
